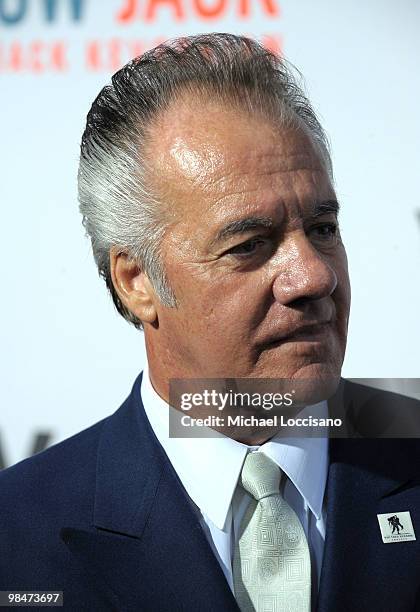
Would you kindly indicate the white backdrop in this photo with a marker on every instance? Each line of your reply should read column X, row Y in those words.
column 67, row 358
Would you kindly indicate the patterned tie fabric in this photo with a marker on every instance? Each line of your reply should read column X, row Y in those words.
column 271, row 564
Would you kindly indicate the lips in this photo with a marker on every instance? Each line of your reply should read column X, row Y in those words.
column 309, row 332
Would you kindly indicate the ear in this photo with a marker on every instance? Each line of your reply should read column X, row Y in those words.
column 133, row 287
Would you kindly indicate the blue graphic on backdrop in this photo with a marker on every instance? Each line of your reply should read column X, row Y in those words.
column 15, row 12
column 40, row 441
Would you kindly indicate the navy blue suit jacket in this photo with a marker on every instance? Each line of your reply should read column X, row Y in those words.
column 103, row 517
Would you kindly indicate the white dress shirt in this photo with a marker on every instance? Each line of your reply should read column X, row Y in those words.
column 209, row 469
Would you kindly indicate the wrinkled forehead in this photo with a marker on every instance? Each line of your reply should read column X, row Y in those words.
column 199, row 147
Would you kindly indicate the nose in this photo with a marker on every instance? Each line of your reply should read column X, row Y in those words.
column 304, row 272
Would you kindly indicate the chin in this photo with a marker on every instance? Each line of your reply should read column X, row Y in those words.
column 281, row 366
column 311, row 382
column 317, row 370
column 316, row 382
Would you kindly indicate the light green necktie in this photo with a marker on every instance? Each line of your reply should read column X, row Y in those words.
column 271, row 564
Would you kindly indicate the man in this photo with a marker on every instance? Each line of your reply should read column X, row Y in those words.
column 205, row 185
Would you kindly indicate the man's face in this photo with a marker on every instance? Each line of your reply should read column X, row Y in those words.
column 253, row 253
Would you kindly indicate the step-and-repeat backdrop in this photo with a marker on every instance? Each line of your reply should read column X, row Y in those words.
column 67, row 359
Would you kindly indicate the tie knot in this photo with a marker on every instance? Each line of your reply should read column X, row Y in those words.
column 260, row 476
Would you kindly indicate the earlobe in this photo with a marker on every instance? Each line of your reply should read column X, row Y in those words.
column 133, row 287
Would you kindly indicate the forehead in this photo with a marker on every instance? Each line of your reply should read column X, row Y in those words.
column 210, row 159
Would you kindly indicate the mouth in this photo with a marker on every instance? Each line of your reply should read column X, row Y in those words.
column 306, row 333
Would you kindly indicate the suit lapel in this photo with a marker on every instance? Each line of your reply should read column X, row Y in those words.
column 366, row 478
column 146, row 549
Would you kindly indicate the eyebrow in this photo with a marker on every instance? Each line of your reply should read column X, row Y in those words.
column 241, row 226
column 326, row 207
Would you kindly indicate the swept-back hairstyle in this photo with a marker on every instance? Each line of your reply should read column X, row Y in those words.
column 119, row 207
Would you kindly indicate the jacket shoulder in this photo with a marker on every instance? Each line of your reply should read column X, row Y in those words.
column 383, row 430
column 51, row 478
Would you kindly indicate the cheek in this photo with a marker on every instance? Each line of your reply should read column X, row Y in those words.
column 340, row 266
column 344, row 284
column 228, row 307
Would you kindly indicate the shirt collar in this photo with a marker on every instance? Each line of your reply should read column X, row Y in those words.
column 304, row 460
column 209, row 468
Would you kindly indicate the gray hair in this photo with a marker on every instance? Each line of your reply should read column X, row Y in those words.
column 119, row 207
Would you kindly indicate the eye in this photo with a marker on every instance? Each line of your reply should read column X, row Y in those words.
column 250, row 247
column 325, row 232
